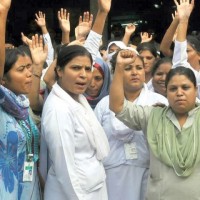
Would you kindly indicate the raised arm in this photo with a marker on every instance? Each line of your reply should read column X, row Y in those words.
column 39, row 54
column 93, row 40
column 41, row 22
column 169, row 37
column 124, row 58
column 50, row 75
column 129, row 30
column 180, row 56
column 184, row 10
column 103, row 10
column 4, row 8
column 64, row 23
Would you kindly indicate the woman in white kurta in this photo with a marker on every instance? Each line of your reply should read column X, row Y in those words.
column 126, row 172
column 187, row 49
column 148, row 52
column 159, row 72
column 76, row 142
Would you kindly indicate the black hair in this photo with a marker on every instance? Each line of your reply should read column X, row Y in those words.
column 113, row 61
column 159, row 62
column 57, row 48
column 147, row 46
column 187, row 72
column 194, row 41
column 13, row 54
column 67, row 53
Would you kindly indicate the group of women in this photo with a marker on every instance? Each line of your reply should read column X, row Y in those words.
column 171, row 131
column 134, row 137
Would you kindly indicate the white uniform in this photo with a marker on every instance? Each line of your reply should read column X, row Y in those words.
column 76, row 170
column 180, row 59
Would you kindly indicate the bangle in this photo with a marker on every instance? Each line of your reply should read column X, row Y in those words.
column 36, row 75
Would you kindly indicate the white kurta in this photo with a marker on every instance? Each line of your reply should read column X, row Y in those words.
column 92, row 44
column 50, row 55
column 180, row 58
column 126, row 177
column 150, row 85
column 75, row 172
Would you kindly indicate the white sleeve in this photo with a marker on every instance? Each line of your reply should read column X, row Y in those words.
column 180, row 54
column 180, row 58
column 99, row 110
column 58, row 130
column 92, row 44
column 50, row 55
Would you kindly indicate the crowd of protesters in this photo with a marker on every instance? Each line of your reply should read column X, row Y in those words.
column 82, row 122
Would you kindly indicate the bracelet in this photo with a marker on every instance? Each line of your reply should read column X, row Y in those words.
column 36, row 75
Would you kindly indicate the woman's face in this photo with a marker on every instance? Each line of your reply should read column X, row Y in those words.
column 113, row 48
column 159, row 78
column 193, row 56
column 96, row 84
column 149, row 60
column 76, row 76
column 134, row 76
column 19, row 78
column 181, row 94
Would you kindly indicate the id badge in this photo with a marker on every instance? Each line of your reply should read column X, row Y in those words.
column 130, row 151
column 28, row 171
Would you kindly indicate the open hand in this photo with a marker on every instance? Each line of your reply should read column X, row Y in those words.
column 40, row 19
column 38, row 49
column 84, row 26
column 145, row 37
column 64, row 22
column 184, row 9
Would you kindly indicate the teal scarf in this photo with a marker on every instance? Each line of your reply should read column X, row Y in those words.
column 180, row 151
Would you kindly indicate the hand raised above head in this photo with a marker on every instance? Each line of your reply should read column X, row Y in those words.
column 84, row 26
column 145, row 37
column 38, row 49
column 40, row 19
column 64, row 20
column 184, row 8
column 130, row 29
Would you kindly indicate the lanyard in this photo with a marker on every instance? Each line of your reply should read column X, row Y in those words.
column 31, row 134
column 25, row 125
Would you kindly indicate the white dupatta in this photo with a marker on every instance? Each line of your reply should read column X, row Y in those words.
column 84, row 113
